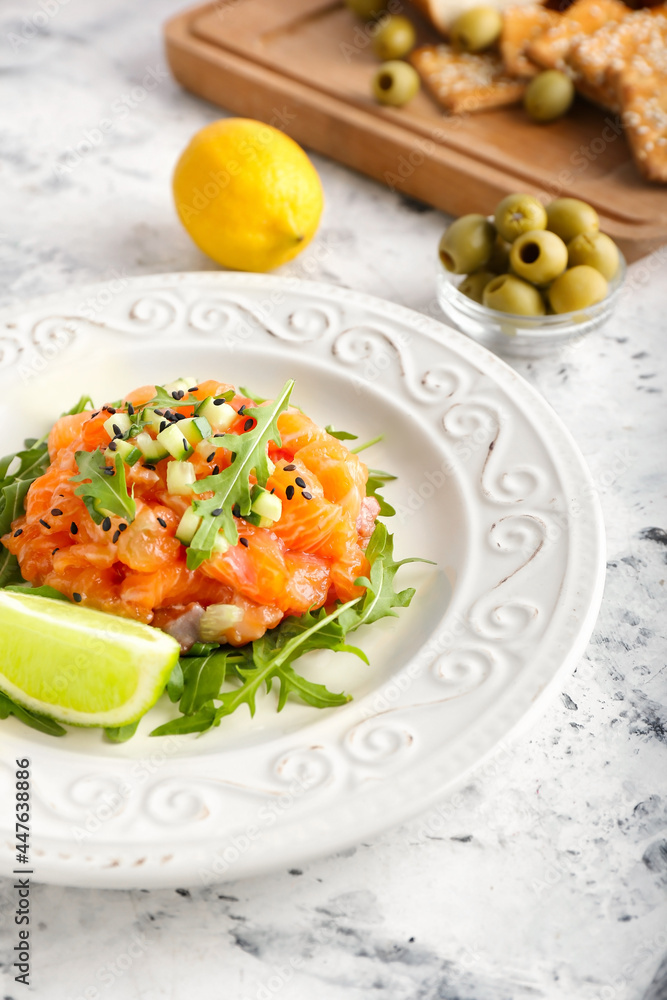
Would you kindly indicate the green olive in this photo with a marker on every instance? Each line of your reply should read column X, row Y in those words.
column 476, row 29
column 394, row 38
column 517, row 214
column 548, row 96
column 597, row 250
column 467, row 245
column 538, row 256
column 510, row 294
column 367, row 9
column 578, row 288
column 395, row 83
column 499, row 261
column 567, row 217
column 473, row 285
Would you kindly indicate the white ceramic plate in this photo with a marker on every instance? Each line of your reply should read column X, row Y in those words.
column 491, row 487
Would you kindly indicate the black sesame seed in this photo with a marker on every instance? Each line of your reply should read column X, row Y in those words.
column 273, row 490
column 109, row 471
column 74, row 528
column 300, row 482
column 116, row 536
column 147, row 466
column 56, row 512
column 186, row 444
column 193, row 388
column 162, row 521
column 160, row 413
column 218, row 402
column 236, row 510
column 248, row 424
column 289, row 468
column 244, row 541
column 215, row 470
column 130, row 409
column 45, row 523
column 106, row 524
column 178, row 394
column 289, row 492
column 163, row 424
column 178, row 416
column 242, row 410
column 95, row 414
column 217, row 512
column 117, row 431
column 19, row 531
column 211, row 457
column 113, row 446
column 306, row 496
column 108, row 409
column 77, row 597
column 55, row 550
column 122, row 527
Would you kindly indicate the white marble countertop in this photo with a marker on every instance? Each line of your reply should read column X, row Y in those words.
column 545, row 877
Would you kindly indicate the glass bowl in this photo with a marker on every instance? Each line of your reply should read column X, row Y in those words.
column 526, row 336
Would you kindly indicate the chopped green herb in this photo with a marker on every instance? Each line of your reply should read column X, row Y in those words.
column 231, row 487
column 103, row 495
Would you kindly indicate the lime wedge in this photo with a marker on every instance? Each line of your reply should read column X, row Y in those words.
column 80, row 666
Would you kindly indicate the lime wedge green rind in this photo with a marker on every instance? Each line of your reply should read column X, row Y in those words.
column 79, row 666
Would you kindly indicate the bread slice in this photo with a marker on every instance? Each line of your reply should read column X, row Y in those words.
column 462, row 82
column 521, row 25
column 551, row 49
column 441, row 13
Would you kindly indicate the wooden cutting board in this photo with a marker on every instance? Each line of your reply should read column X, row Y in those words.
column 305, row 66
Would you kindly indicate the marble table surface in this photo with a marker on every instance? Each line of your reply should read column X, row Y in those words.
column 545, row 876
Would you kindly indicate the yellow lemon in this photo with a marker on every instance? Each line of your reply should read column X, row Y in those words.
column 247, row 194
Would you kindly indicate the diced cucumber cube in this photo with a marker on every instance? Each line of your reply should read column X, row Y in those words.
column 217, row 619
column 153, row 419
column 180, row 385
column 258, row 520
column 219, row 414
column 220, row 545
column 149, row 447
column 266, row 504
column 180, row 478
column 188, row 525
column 127, row 450
column 195, row 429
column 117, row 424
column 172, row 439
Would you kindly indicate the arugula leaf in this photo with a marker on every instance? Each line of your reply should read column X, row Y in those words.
column 103, row 494
column 312, row 630
column 175, row 683
column 249, row 395
column 39, row 722
column 32, row 463
column 45, row 591
column 203, row 677
column 84, row 403
column 120, row 734
column 341, row 435
column 202, row 648
column 199, row 723
column 381, row 597
column 373, row 487
column 231, row 487
column 367, row 444
column 317, row 695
